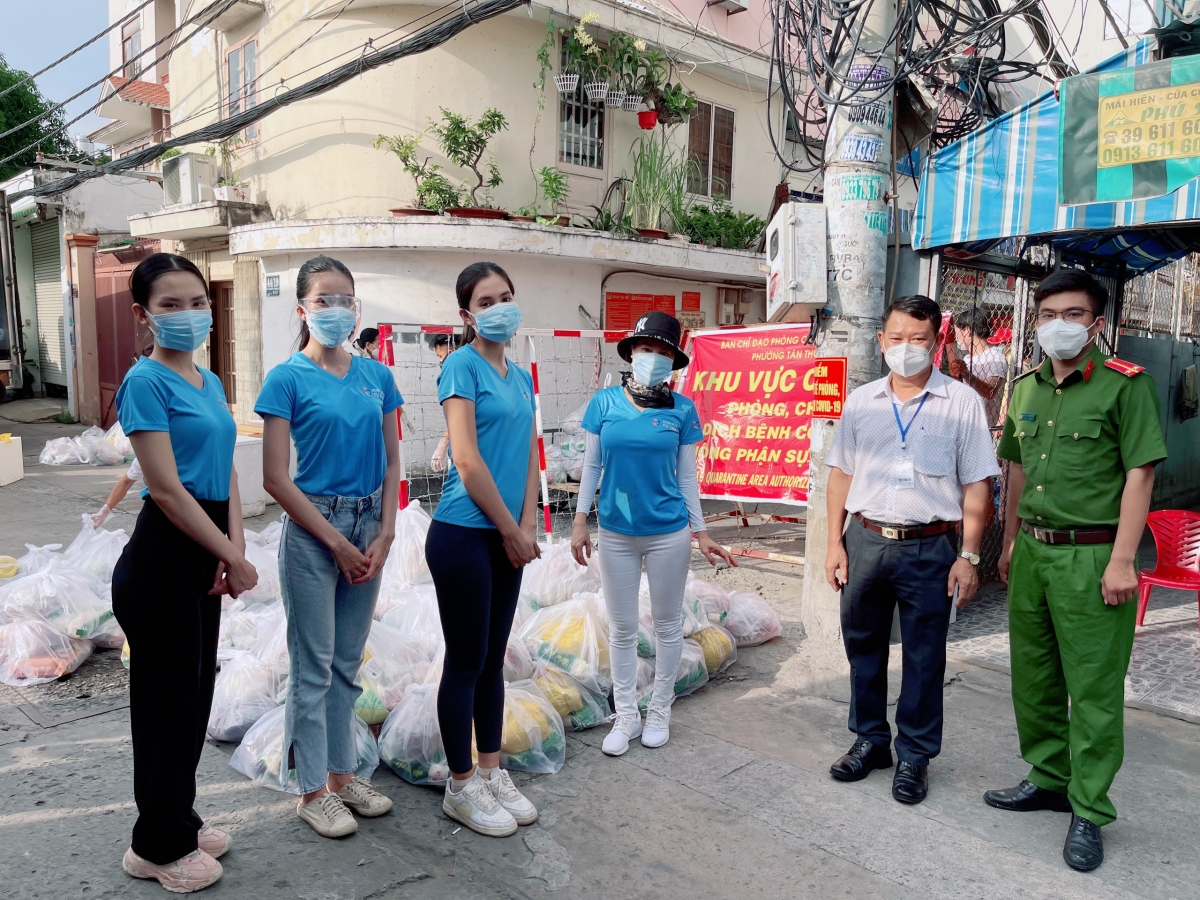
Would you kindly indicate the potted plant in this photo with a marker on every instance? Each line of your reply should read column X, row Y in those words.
column 582, row 53
column 464, row 142
column 230, row 185
column 673, row 103
column 554, row 189
column 657, row 188
column 647, row 119
column 434, row 190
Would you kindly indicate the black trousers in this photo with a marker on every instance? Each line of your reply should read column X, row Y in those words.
column 477, row 590
column 913, row 574
column 160, row 597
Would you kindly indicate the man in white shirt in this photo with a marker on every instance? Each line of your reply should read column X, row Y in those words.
column 976, row 362
column 912, row 458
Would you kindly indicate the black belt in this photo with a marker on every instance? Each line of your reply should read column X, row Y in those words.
column 1102, row 534
column 906, row 532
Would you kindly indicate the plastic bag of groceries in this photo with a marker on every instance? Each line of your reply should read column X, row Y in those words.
column 579, row 707
column 694, row 616
column 570, row 636
column 243, row 628
column 8, row 566
column 518, row 664
column 406, row 561
column 109, row 635
column 260, row 755
column 720, row 649
column 103, row 452
column 65, row 451
column 268, row 538
column 96, row 550
column 555, row 472
column 245, row 692
column 689, row 677
column 392, row 661
column 533, row 739
column 712, row 599
column 751, row 620
column 571, row 453
column 414, row 613
column 411, row 741
column 38, row 558
column 556, row 577
column 125, row 654
column 116, row 437
column 34, row 652
column 65, row 597
column 572, row 423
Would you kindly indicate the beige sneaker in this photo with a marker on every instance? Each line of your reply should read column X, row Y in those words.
column 194, row 872
column 362, row 799
column 213, row 841
column 508, row 796
column 477, row 807
column 328, row 816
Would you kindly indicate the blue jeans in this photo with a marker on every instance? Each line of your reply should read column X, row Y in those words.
column 328, row 620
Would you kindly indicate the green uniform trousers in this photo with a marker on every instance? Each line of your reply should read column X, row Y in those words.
column 1067, row 643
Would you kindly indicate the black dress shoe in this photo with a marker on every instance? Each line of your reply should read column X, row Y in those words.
column 1027, row 797
column 863, row 758
column 911, row 783
column 1084, row 850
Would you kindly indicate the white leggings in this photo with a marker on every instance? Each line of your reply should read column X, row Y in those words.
column 667, row 557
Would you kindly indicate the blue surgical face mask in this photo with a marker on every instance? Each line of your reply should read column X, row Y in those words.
column 498, row 323
column 185, row 330
column 651, row 368
column 331, row 327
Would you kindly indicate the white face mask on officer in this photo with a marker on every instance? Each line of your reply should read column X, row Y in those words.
column 907, row 360
column 1061, row 339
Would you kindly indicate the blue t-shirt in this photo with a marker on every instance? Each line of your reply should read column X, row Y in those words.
column 155, row 398
column 337, row 423
column 503, row 429
column 639, row 493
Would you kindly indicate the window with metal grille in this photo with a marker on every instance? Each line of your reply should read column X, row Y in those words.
column 580, row 129
column 710, row 149
column 131, row 47
column 241, row 77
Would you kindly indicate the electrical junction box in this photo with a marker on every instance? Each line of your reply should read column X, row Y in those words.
column 796, row 256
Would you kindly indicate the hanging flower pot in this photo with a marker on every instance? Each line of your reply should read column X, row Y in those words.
column 647, row 119
column 596, row 91
column 615, row 99
column 566, row 82
column 633, row 102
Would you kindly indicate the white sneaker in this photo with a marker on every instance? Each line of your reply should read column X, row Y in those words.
column 328, row 816
column 625, row 729
column 658, row 727
column 476, row 807
column 508, row 796
column 359, row 797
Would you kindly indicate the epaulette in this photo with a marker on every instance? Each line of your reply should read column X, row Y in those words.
column 1127, row 369
column 1025, row 374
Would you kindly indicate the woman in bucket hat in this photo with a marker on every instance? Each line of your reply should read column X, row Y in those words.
column 643, row 437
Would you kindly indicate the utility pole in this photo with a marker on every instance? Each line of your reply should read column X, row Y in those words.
column 857, row 180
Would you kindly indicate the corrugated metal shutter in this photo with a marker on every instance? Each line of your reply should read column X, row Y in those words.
column 247, row 336
column 47, row 282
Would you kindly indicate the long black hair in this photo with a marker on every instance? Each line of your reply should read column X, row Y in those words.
column 314, row 266
column 468, row 278
column 152, row 268
column 367, row 336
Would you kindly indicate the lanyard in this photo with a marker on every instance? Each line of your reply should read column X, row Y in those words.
column 904, row 429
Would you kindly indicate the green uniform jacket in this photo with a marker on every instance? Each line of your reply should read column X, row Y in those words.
column 1076, row 441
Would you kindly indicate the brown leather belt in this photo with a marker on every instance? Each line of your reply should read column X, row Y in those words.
column 1103, row 534
column 906, row 532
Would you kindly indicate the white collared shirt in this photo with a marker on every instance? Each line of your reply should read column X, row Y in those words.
column 949, row 443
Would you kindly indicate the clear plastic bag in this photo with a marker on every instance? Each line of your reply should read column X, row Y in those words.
column 572, row 423
column 37, row 559
column 96, row 550
column 414, row 613
column 89, row 448
column 694, row 616
column 242, row 628
column 533, row 739
column 712, row 599
column 65, row 597
column 720, row 649
column 518, row 664
column 245, row 692
column 34, row 652
column 125, row 654
column 392, row 662
column 266, row 563
column 570, row 637
column 579, row 707
column 556, row 577
column 751, row 620
column 411, row 741
column 109, row 636
column 116, row 437
column 555, row 472
column 260, row 755
column 102, row 451
column 406, row 560
column 268, row 538
column 689, row 677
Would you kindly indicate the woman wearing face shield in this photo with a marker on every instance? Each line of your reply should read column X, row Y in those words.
column 484, row 531
column 185, row 552
column 341, row 519
column 643, row 436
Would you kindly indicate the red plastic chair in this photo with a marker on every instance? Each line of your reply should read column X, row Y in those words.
column 1177, row 538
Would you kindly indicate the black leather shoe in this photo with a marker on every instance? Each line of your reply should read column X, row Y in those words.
column 911, row 783
column 1027, row 797
column 1084, row 850
column 863, row 758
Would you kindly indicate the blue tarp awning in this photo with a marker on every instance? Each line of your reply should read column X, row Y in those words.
column 1001, row 181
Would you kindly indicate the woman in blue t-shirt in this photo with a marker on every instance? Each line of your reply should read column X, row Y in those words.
column 185, row 552
column 339, row 525
column 643, row 436
column 483, row 532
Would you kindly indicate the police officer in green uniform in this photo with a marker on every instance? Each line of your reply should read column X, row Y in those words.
column 1083, row 435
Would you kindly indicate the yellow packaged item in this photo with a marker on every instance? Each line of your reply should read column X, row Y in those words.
column 720, row 649
column 8, row 567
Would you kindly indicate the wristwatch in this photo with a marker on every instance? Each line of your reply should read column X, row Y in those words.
column 972, row 558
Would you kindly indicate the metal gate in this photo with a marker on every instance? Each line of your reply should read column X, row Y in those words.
column 47, row 283
column 119, row 341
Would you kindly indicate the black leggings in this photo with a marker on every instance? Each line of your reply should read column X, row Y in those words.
column 477, row 590
column 160, row 597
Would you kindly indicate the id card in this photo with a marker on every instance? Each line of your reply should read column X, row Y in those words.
column 904, row 473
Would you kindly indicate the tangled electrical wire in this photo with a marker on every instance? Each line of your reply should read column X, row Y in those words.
column 950, row 63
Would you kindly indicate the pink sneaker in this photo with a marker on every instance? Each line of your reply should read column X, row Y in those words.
column 194, row 872
column 213, row 841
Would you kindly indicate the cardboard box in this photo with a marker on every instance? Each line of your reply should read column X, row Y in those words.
column 12, row 464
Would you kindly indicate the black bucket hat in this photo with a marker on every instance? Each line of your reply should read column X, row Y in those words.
column 660, row 327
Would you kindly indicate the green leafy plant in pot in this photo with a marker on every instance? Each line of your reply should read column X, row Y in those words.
column 674, row 104
column 435, row 191
column 464, row 143
column 657, row 195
